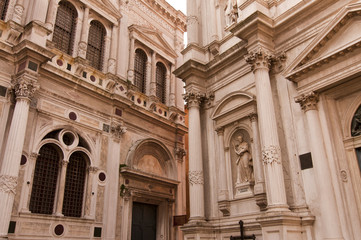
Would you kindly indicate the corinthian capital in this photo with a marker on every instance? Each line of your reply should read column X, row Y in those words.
column 259, row 59
column 25, row 86
column 308, row 101
column 117, row 129
column 194, row 99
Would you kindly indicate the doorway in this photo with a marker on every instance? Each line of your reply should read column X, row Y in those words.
column 144, row 221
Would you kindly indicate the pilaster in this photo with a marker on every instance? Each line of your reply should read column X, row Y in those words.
column 83, row 44
column 59, row 202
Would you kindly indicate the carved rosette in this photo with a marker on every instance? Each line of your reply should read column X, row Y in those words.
column 308, row 101
column 271, row 154
column 117, row 129
column 25, row 88
column 8, row 184
column 193, row 99
column 196, row 177
column 259, row 59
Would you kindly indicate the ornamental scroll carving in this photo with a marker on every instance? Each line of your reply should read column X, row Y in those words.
column 271, row 154
column 196, row 177
column 308, row 101
column 8, row 184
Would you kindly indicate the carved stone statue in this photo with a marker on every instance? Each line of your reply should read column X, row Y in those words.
column 231, row 12
column 243, row 161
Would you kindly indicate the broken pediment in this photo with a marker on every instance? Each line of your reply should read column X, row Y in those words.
column 341, row 36
column 152, row 39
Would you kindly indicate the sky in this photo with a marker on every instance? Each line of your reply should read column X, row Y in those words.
column 179, row 5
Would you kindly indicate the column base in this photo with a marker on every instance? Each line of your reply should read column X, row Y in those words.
column 197, row 230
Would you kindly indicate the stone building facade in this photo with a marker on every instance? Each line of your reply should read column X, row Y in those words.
column 274, row 97
column 91, row 119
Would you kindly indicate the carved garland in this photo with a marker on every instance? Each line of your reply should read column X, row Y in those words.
column 196, row 177
column 271, row 154
column 8, row 184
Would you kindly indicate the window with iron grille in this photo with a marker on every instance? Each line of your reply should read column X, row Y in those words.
column 74, row 185
column 3, row 8
column 45, row 179
column 96, row 40
column 140, row 70
column 160, row 79
column 64, row 29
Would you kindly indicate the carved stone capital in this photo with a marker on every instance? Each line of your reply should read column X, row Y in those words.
column 271, row 154
column 192, row 20
column 34, row 156
column 8, row 184
column 64, row 163
column 117, row 129
column 208, row 98
column 253, row 117
column 308, row 101
column 259, row 59
column 194, row 99
column 25, row 86
column 180, row 153
column 196, row 177
column 220, row 131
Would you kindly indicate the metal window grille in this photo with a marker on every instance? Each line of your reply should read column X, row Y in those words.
column 161, row 81
column 95, row 50
column 45, row 178
column 64, row 29
column 74, row 185
column 3, row 8
column 140, row 70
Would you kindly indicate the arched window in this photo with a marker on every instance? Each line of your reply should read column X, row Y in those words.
column 140, row 69
column 64, row 29
column 45, row 179
column 161, row 81
column 74, row 185
column 3, row 8
column 96, row 40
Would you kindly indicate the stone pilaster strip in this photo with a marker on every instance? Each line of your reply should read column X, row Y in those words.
column 8, row 184
column 196, row 177
column 271, row 154
column 308, row 101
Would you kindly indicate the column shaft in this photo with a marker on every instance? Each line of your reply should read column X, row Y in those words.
column 59, row 203
column 131, row 60
column 223, row 188
column 172, row 87
column 153, row 85
column 257, row 158
column 51, row 15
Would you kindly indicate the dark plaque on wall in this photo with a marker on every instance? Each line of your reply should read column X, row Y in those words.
column 306, row 161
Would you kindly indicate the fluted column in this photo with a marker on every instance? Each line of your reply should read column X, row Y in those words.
column 153, row 85
column 131, row 59
column 59, row 202
column 223, row 189
column 82, row 48
column 18, row 11
column 328, row 205
column 113, row 50
column 172, row 87
column 25, row 86
column 192, row 21
column 51, row 15
column 271, row 151
column 196, row 182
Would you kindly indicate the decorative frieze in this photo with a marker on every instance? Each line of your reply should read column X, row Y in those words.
column 308, row 101
column 271, row 154
column 259, row 59
column 196, row 177
column 8, row 184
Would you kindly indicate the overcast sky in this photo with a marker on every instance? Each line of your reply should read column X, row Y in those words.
column 179, row 5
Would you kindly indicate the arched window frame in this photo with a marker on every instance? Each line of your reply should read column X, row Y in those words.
column 161, row 81
column 66, row 151
column 140, row 69
column 64, row 36
column 3, row 9
column 96, row 51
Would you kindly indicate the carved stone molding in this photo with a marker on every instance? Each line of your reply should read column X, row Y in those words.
column 25, row 87
column 224, row 207
column 194, row 99
column 278, row 62
column 117, row 129
column 192, row 20
column 64, row 163
column 253, row 117
column 271, row 154
column 34, row 156
column 209, row 98
column 196, row 177
column 308, row 101
column 180, row 153
column 8, row 184
column 259, row 59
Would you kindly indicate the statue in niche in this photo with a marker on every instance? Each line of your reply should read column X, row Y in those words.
column 356, row 123
column 231, row 12
column 243, row 161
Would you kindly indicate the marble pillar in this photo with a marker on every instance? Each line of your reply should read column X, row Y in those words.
column 223, row 188
column 83, row 44
column 153, row 84
column 25, row 85
column 60, row 198
column 131, row 59
column 192, row 21
column 328, row 206
column 196, row 179
column 172, row 87
column 271, row 152
column 51, row 15
column 113, row 50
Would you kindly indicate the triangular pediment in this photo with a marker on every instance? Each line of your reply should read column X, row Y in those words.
column 341, row 36
column 107, row 8
column 152, row 38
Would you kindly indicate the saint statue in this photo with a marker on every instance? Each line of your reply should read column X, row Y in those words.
column 231, row 12
column 243, row 161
